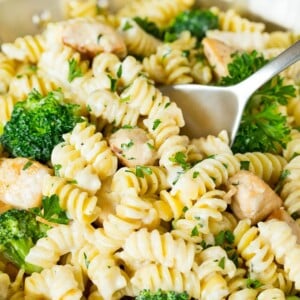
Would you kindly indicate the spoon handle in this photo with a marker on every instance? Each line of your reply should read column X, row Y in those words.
column 272, row 68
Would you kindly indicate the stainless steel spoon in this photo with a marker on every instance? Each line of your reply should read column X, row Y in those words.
column 210, row 109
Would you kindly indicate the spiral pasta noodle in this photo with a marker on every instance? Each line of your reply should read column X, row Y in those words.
column 283, row 243
column 163, row 217
column 59, row 241
column 7, row 103
column 265, row 165
column 108, row 106
column 79, row 8
column 78, row 203
column 257, row 254
column 212, row 145
column 153, row 247
column 205, row 176
column 168, row 66
column 139, row 209
column 93, row 148
column 73, row 166
column 27, row 49
column 22, row 85
column 231, row 21
column 7, row 72
column 138, row 41
column 152, row 277
column 292, row 148
column 102, row 270
column 152, row 182
column 62, row 277
column 156, row 11
column 290, row 196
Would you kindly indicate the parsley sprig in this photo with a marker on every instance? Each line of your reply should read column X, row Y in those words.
column 263, row 128
column 225, row 239
column 74, row 70
column 51, row 210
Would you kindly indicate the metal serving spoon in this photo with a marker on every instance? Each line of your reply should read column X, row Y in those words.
column 210, row 109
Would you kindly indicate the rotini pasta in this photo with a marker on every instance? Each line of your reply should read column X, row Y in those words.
column 7, row 103
column 163, row 249
column 231, row 21
column 152, row 277
column 73, row 166
column 257, row 254
column 283, row 243
column 79, row 204
column 138, row 42
column 93, row 148
column 59, row 241
column 7, row 72
column 156, row 11
column 163, row 215
column 27, row 49
column 40, row 285
column 265, row 165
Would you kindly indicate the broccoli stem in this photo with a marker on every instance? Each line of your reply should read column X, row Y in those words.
column 16, row 253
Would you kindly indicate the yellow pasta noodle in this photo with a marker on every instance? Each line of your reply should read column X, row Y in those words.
column 78, row 203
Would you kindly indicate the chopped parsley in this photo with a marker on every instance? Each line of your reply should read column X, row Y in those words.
column 51, row 210
column 127, row 26
column 253, row 283
column 86, row 261
column 27, row 165
column 195, row 174
column 195, row 231
column 181, row 159
column 221, row 263
column 119, row 72
column 140, row 171
column 56, row 170
column 150, row 146
column 126, row 146
column 245, row 164
column 74, row 70
column 113, row 83
column 156, row 123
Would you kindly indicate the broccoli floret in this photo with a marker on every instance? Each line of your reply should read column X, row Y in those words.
column 162, row 295
column 196, row 21
column 19, row 231
column 37, row 125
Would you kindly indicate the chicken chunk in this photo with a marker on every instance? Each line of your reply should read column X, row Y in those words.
column 92, row 37
column 252, row 198
column 218, row 55
column 133, row 147
column 21, row 182
column 282, row 215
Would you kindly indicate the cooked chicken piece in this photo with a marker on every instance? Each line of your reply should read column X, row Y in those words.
column 21, row 182
column 246, row 41
column 282, row 215
column 218, row 55
column 133, row 147
column 92, row 37
column 253, row 198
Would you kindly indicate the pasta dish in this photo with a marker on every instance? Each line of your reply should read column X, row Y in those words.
column 103, row 197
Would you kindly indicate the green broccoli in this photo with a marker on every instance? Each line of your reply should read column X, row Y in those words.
column 196, row 21
column 37, row 125
column 19, row 231
column 162, row 295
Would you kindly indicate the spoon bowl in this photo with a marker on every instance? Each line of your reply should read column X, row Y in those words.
column 210, row 109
